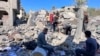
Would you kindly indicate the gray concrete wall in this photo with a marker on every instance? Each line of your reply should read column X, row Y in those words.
column 11, row 7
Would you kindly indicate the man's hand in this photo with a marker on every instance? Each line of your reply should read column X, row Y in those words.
column 44, row 45
column 98, row 51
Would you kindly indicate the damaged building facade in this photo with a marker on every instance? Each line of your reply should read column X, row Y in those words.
column 8, row 11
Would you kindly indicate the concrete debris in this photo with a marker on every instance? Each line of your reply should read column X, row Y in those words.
column 29, row 33
column 15, row 36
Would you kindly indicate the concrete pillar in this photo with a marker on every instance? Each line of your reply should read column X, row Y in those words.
column 29, row 19
column 78, row 36
column 80, row 23
column 11, row 18
column 78, row 33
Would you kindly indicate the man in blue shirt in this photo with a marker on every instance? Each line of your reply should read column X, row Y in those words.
column 91, row 46
column 41, row 38
column 41, row 42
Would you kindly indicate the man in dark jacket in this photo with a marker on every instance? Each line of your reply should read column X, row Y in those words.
column 41, row 42
column 91, row 46
column 41, row 38
column 55, row 21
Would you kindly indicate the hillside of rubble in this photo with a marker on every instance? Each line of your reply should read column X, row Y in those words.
column 19, row 30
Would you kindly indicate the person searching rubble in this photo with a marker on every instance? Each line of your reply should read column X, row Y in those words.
column 55, row 20
column 48, row 18
column 41, row 42
column 85, row 21
column 91, row 46
column 68, row 29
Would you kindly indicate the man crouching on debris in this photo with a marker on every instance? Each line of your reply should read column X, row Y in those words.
column 41, row 42
column 91, row 46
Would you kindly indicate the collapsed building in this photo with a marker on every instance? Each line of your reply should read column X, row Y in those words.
column 35, row 25
column 8, row 11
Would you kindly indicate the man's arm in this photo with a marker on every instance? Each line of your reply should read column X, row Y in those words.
column 88, row 46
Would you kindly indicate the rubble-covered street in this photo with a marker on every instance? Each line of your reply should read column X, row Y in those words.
column 19, row 33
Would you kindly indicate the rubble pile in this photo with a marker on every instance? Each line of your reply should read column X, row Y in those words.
column 94, row 26
column 11, row 39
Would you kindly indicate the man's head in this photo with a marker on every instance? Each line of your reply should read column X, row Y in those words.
column 87, row 34
column 45, row 30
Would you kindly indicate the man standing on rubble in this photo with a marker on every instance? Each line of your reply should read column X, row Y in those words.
column 85, row 21
column 55, row 21
column 90, row 48
column 48, row 19
column 51, row 16
column 41, row 42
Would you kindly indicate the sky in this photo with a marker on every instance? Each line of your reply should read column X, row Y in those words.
column 48, row 4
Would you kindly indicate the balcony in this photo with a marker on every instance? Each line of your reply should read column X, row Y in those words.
column 3, row 4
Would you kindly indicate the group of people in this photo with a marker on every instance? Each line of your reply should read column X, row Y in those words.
column 89, row 49
column 52, row 19
column 55, row 19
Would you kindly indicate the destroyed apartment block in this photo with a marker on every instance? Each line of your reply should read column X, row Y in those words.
column 8, row 11
column 64, row 44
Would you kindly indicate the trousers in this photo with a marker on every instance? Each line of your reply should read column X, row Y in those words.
column 80, row 52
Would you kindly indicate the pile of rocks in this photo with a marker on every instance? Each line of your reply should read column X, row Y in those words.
column 15, row 36
column 94, row 27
